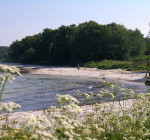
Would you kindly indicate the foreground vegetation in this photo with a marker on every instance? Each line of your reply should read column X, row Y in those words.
column 104, row 121
column 72, row 45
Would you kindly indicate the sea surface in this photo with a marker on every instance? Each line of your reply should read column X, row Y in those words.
column 35, row 92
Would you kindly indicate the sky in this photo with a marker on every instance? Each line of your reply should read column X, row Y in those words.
column 21, row 18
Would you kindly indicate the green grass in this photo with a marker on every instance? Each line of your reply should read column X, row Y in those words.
column 113, row 64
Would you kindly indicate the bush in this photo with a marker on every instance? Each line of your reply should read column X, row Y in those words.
column 112, row 64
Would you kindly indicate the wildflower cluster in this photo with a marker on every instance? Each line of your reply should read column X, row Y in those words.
column 8, row 107
column 9, row 69
column 104, row 74
column 7, row 75
column 104, row 121
column 86, row 96
column 36, row 127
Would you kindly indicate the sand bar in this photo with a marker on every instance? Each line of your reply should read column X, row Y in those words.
column 114, row 74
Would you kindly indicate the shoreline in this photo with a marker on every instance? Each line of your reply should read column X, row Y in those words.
column 85, row 108
column 94, row 73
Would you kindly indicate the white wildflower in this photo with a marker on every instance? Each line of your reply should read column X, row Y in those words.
column 64, row 122
column 87, row 131
column 33, row 123
column 8, row 72
column 97, row 106
column 124, row 138
column 9, row 107
column 91, row 93
column 104, row 74
column 62, row 99
column 68, row 134
column 121, row 71
column 10, row 69
column 74, row 108
column 77, row 93
column 103, row 92
column 2, row 78
column 43, row 135
column 13, row 78
column 100, row 95
column 112, row 95
column 132, row 138
column 87, row 96
column 101, row 130
column 121, row 89
column 30, row 122
column 113, row 85
column 130, row 91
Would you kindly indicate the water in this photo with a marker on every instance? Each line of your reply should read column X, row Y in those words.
column 35, row 92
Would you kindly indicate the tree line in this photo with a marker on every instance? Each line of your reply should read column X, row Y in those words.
column 71, row 45
column 3, row 52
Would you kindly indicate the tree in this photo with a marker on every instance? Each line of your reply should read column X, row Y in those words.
column 71, row 45
column 44, row 48
column 60, row 51
column 147, row 41
column 137, row 42
column 15, row 50
column 86, row 43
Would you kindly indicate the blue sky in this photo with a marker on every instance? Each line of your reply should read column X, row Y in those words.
column 20, row 18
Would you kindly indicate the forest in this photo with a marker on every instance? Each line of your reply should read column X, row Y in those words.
column 3, row 52
column 72, row 45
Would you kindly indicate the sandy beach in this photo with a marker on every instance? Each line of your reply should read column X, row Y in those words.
column 92, row 73
column 112, row 74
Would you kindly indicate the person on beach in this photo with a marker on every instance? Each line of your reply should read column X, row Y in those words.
column 78, row 67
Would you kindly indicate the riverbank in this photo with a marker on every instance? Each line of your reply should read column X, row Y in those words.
column 82, row 72
column 85, row 109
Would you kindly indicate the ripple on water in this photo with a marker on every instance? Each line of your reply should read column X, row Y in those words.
column 34, row 92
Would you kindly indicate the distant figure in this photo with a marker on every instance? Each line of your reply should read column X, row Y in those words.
column 78, row 67
column 85, row 67
column 134, row 68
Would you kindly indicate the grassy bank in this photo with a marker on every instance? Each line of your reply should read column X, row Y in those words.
column 113, row 64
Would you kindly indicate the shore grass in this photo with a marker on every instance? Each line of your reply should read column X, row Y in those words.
column 114, row 64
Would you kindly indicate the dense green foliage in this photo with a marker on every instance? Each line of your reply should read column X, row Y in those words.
column 71, row 45
column 113, row 64
column 3, row 52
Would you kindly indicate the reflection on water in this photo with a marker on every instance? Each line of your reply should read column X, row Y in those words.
column 34, row 92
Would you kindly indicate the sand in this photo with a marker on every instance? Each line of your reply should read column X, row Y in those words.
column 114, row 74
column 92, row 73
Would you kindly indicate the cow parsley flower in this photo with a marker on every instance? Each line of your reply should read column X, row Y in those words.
column 121, row 71
column 73, row 108
column 10, row 69
column 65, row 99
column 9, row 107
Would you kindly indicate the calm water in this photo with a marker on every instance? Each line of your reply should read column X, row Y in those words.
column 34, row 92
